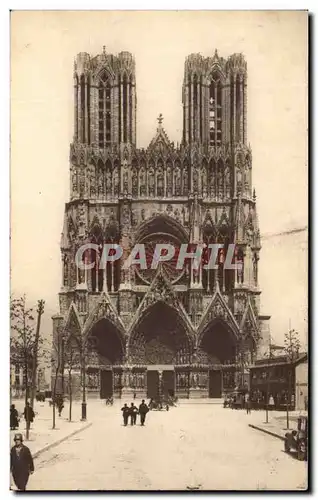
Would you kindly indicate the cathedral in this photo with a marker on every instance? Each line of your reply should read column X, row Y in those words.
column 190, row 333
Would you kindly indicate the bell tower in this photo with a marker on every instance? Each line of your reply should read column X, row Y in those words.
column 214, row 100
column 104, row 99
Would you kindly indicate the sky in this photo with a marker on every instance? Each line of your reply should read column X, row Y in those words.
column 43, row 47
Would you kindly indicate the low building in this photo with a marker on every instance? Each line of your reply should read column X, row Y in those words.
column 301, row 389
column 286, row 381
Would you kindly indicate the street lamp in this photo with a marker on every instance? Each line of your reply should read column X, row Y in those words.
column 84, row 404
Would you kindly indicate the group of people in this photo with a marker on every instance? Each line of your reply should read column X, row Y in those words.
column 28, row 414
column 132, row 411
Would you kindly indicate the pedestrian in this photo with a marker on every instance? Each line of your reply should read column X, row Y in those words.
column 133, row 414
column 21, row 465
column 246, row 398
column 59, row 403
column 14, row 418
column 271, row 402
column 143, row 410
column 248, row 404
column 126, row 411
column 28, row 414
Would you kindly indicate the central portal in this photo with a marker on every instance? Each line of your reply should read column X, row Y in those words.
column 160, row 338
column 161, row 381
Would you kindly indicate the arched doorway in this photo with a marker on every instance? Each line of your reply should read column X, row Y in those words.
column 104, row 359
column 218, row 350
column 160, row 342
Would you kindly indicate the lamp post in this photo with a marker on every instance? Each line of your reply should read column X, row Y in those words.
column 84, row 404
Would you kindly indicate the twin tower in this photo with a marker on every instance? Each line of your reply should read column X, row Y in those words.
column 213, row 98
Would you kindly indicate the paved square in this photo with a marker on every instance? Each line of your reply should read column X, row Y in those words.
column 200, row 446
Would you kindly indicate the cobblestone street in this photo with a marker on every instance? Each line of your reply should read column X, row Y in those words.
column 199, row 446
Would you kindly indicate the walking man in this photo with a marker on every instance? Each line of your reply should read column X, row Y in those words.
column 14, row 418
column 133, row 414
column 248, row 404
column 143, row 410
column 21, row 463
column 28, row 414
column 126, row 412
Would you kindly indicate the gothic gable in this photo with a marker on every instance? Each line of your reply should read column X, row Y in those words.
column 161, row 290
column 160, row 144
column 218, row 309
column 104, row 310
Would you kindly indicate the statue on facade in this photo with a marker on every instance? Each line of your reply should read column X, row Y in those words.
column 108, row 183
column 169, row 181
column 92, row 181
column 177, row 182
column 151, row 183
column 142, row 183
column 115, row 181
column 160, row 183
column 101, row 191
column 134, row 182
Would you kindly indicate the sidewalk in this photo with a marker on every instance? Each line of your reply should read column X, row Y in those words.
column 276, row 425
column 42, row 436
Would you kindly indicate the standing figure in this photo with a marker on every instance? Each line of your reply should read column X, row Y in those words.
column 28, row 414
column 126, row 411
column 143, row 410
column 14, row 418
column 248, row 403
column 133, row 414
column 59, row 403
column 21, row 465
column 271, row 402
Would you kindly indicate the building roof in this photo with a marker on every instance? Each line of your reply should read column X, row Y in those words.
column 280, row 360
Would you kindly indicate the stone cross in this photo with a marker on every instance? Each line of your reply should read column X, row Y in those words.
column 160, row 118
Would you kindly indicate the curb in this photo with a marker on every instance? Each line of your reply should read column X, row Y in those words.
column 271, row 433
column 64, row 438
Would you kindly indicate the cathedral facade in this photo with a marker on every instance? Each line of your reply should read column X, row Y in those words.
column 186, row 332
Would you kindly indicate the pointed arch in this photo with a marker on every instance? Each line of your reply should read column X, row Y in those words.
column 104, row 86
column 161, row 223
column 104, row 309
column 160, row 337
column 218, row 309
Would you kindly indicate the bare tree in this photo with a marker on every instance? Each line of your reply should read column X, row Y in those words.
column 25, row 344
column 291, row 348
column 71, row 359
column 57, row 363
column 40, row 311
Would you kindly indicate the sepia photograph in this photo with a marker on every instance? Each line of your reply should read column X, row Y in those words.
column 159, row 251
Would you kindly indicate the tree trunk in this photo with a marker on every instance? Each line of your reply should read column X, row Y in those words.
column 70, row 394
column 54, row 395
column 35, row 351
column 27, row 419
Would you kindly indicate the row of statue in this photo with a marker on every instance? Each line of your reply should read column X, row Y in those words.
column 138, row 380
column 212, row 181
